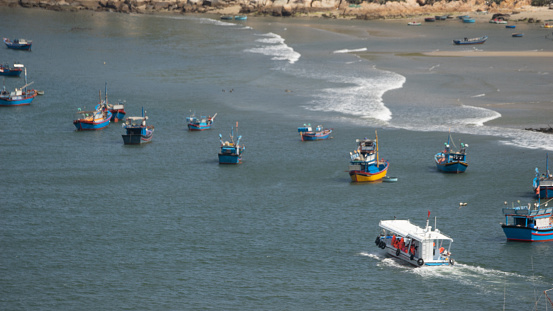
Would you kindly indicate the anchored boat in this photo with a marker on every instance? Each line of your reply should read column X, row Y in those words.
column 307, row 132
column 415, row 245
column 94, row 120
column 449, row 161
column 365, row 164
column 199, row 124
column 18, row 44
column 137, row 131
column 15, row 71
column 523, row 223
column 19, row 97
column 231, row 152
column 479, row 40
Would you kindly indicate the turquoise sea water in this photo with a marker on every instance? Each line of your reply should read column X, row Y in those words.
column 88, row 223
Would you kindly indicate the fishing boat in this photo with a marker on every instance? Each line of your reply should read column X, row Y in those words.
column 137, row 130
column 543, row 183
column 429, row 19
column 240, row 17
column 19, row 97
column 469, row 20
column 97, row 119
column 524, row 223
column 226, row 17
column 117, row 111
column 231, row 151
column 415, row 245
column 414, row 23
column 307, row 132
column 510, row 26
column 517, row 35
column 547, row 25
column 365, row 164
column 201, row 123
column 18, row 44
column 479, row 40
column 450, row 161
column 15, row 71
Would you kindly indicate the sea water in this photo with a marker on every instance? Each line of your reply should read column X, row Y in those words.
column 89, row 223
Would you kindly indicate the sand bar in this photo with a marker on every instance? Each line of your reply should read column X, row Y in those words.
column 477, row 53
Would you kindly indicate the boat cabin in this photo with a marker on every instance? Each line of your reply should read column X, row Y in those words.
column 525, row 217
column 417, row 246
column 136, row 125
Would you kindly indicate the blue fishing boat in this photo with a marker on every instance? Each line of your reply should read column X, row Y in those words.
column 468, row 20
column 307, row 132
column 97, row 119
column 365, row 164
column 524, row 223
column 464, row 41
column 510, row 26
column 15, row 71
column 18, row 44
column 201, row 123
column 19, row 97
column 449, row 161
column 231, row 151
column 117, row 111
column 412, row 244
column 137, row 130
column 543, row 183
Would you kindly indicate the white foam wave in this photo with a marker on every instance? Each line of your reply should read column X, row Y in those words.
column 359, row 96
column 215, row 22
column 479, row 95
column 273, row 45
column 350, row 51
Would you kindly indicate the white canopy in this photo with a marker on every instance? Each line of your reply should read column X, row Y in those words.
column 406, row 229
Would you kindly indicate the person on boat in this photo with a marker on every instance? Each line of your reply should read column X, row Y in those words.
column 394, row 240
column 412, row 249
column 442, row 249
column 402, row 244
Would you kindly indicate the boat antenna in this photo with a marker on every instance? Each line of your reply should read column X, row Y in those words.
column 427, row 218
column 546, row 159
column 376, row 140
column 25, row 79
column 106, row 91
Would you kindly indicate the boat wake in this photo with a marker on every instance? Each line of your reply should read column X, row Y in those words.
column 350, row 51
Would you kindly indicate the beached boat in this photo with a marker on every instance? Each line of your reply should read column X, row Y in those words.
column 449, row 161
column 542, row 184
column 19, row 97
column 479, row 40
column 231, row 152
column 510, row 26
column 469, row 20
column 18, row 44
column 547, row 25
column 524, row 223
column 201, row 123
column 137, row 130
column 414, row 23
column 97, row 119
column 226, row 17
column 461, row 17
column 517, row 35
column 240, row 17
column 307, row 132
column 429, row 19
column 498, row 21
column 440, row 17
column 365, row 164
column 15, row 71
column 415, row 245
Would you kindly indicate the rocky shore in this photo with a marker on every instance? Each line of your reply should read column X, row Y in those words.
column 307, row 8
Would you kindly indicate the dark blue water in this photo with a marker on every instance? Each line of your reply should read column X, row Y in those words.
column 88, row 223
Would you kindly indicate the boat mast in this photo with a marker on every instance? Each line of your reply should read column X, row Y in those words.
column 376, row 141
column 106, row 92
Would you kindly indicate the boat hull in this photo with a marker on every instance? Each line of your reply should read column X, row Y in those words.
column 11, row 72
column 516, row 233
column 117, row 115
column 84, row 125
column 315, row 136
column 198, row 127
column 229, row 159
column 133, row 139
column 452, row 167
column 16, row 102
column 363, row 176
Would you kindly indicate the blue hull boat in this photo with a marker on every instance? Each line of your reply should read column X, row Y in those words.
column 6, row 70
column 137, row 132
column 19, row 97
column 18, row 44
column 200, row 124
column 465, row 41
column 528, row 225
column 231, row 152
column 307, row 133
column 449, row 161
column 97, row 119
